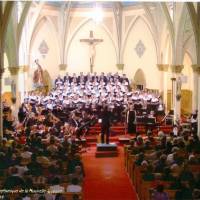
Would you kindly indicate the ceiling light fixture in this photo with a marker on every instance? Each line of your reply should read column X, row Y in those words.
column 97, row 13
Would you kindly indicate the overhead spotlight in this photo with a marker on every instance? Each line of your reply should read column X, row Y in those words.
column 97, row 13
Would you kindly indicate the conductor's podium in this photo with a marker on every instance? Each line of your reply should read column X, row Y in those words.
column 106, row 150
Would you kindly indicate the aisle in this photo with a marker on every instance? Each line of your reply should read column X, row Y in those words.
column 106, row 178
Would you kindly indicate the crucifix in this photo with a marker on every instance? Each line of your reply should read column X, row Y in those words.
column 92, row 42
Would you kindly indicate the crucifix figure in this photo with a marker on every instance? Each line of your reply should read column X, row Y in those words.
column 92, row 42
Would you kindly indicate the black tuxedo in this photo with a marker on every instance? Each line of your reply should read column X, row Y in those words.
column 131, row 116
column 21, row 114
column 58, row 80
column 67, row 78
column 105, row 125
column 124, row 79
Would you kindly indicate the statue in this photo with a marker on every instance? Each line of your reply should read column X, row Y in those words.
column 92, row 42
column 38, row 77
column 92, row 54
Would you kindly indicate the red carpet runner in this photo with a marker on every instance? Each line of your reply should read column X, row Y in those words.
column 106, row 178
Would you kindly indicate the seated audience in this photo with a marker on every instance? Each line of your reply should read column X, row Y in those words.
column 74, row 187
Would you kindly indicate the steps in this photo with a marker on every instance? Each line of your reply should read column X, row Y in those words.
column 106, row 150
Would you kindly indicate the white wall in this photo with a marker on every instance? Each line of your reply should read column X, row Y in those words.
column 188, row 72
column 148, row 61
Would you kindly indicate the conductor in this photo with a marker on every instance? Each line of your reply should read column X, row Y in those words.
column 105, row 124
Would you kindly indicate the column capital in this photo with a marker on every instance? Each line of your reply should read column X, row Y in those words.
column 177, row 68
column 120, row 66
column 163, row 67
column 173, row 79
column 62, row 67
column 196, row 68
column 13, row 70
column 24, row 68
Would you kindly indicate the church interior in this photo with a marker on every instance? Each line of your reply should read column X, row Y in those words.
column 99, row 100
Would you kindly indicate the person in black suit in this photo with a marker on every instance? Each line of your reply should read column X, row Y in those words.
column 22, row 113
column 66, row 78
column 58, row 81
column 105, row 124
column 131, row 118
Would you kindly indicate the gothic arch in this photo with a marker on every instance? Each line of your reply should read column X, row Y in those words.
column 181, row 41
column 84, row 22
column 194, row 22
column 192, row 55
column 139, row 78
column 37, row 28
column 22, row 22
column 134, row 21
column 170, row 27
column 166, row 50
column 39, row 25
column 32, row 23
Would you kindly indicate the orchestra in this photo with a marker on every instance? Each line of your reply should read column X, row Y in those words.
column 78, row 100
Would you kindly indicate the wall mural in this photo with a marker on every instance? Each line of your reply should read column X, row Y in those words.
column 140, row 48
column 43, row 48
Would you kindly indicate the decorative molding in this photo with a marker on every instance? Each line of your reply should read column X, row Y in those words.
column 108, row 21
column 43, row 48
column 128, row 20
column 163, row 67
column 25, row 68
column 62, row 67
column 140, row 48
column 20, row 69
column 196, row 68
column 177, row 68
column 14, row 70
column 173, row 79
column 120, row 66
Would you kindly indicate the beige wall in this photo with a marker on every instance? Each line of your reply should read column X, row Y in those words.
column 51, row 60
column 79, row 52
column 148, row 61
column 76, row 54
column 187, row 71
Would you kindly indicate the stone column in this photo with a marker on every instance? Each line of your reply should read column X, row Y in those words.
column 62, row 69
column 1, row 106
column 14, row 71
column 163, row 68
column 173, row 92
column 23, row 72
column 176, row 95
column 195, row 89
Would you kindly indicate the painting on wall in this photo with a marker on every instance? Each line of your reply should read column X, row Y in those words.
column 43, row 48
